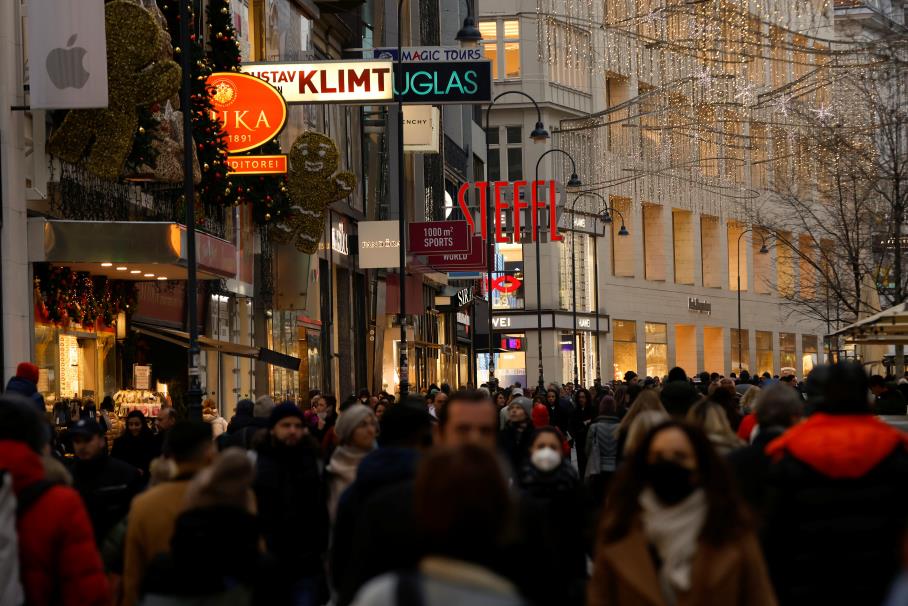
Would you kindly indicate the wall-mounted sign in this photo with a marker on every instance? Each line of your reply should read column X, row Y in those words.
column 464, row 296
column 141, row 376
column 347, row 81
column 584, row 323
column 438, row 237
column 420, row 54
column 473, row 260
column 444, row 82
column 250, row 111
column 421, row 126
column 702, row 306
column 463, row 318
column 379, row 244
column 339, row 239
column 506, row 284
column 509, row 198
column 257, row 165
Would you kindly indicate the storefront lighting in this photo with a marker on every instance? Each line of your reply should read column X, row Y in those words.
column 106, row 264
column 162, row 277
column 122, row 268
column 148, row 275
column 135, row 272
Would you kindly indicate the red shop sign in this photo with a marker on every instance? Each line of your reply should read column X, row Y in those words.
column 438, row 237
column 506, row 284
column 474, row 260
column 517, row 207
column 251, row 111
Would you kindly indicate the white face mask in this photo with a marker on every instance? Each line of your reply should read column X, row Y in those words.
column 545, row 459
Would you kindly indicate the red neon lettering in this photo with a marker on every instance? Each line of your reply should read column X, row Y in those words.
column 535, row 205
column 500, row 205
column 306, row 80
column 483, row 201
column 553, row 223
column 355, row 80
column 462, row 203
column 518, row 206
column 324, row 78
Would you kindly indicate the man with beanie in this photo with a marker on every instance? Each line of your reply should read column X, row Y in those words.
column 254, row 429
column 58, row 560
column 291, row 502
column 678, row 397
column 153, row 513
column 25, row 383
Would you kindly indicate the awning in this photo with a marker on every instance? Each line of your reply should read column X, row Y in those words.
column 888, row 327
column 180, row 338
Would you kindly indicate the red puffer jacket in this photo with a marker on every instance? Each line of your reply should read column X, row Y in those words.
column 58, row 558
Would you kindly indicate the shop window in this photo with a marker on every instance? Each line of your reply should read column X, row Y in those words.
column 653, row 242
column 788, row 353
column 510, row 364
column 737, row 256
column 765, row 361
column 809, row 352
column 515, row 152
column 624, row 335
column 623, row 260
column 566, row 349
column 740, row 349
column 492, row 140
column 509, row 294
column 683, row 246
column 686, row 348
column 711, row 252
column 501, row 45
column 713, row 350
column 656, row 349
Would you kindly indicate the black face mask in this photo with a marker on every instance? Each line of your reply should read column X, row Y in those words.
column 671, row 482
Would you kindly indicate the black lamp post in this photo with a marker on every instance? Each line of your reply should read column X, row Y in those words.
column 572, row 184
column 469, row 34
column 763, row 251
column 538, row 135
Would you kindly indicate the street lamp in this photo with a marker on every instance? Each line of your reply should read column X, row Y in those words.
column 572, row 185
column 606, row 218
column 401, row 211
column 539, row 135
column 469, row 35
column 763, row 251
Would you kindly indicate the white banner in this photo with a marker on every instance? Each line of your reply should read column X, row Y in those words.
column 67, row 54
column 421, row 124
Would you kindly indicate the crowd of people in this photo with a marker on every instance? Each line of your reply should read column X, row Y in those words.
column 666, row 492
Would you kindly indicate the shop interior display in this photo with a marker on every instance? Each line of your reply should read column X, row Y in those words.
column 148, row 402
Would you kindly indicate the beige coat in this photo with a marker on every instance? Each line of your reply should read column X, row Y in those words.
column 733, row 575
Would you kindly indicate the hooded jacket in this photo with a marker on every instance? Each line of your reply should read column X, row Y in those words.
column 59, row 563
column 837, row 490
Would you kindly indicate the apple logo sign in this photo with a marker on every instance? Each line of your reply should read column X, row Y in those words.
column 64, row 66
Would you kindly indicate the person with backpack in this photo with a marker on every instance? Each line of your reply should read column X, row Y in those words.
column 49, row 556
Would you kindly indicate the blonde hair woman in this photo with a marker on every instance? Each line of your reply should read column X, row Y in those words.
column 711, row 418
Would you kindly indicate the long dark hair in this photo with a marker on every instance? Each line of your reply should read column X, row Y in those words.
column 144, row 432
column 589, row 397
column 726, row 518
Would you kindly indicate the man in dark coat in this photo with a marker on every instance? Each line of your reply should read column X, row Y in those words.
column 291, row 502
column 838, row 486
column 107, row 485
column 25, row 383
column 889, row 400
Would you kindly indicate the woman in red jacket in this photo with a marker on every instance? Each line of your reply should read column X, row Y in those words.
column 58, row 560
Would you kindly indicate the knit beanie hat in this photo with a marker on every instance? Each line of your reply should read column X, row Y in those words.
column 349, row 420
column 540, row 416
column 28, row 371
column 263, row 407
column 282, row 411
column 227, row 482
column 20, row 422
column 525, row 403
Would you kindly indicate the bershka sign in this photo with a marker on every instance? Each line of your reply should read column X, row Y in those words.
column 438, row 237
column 348, row 81
column 509, row 198
column 250, row 111
column 444, row 82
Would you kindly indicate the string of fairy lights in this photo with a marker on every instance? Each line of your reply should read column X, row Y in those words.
column 710, row 102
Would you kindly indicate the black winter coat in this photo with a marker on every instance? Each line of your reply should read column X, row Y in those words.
column 107, row 486
column 291, row 507
column 836, row 510
column 138, row 451
column 515, row 443
column 750, row 468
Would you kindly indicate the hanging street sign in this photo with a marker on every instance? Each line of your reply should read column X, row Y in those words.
column 474, row 260
column 423, row 54
column 438, row 83
column 347, row 81
column 438, row 237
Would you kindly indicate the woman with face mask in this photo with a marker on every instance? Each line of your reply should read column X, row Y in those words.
column 674, row 532
column 551, row 507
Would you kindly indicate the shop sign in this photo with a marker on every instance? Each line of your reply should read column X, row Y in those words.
column 506, row 284
column 347, row 81
column 421, row 124
column 475, row 259
column 438, row 237
column 422, row 54
column 584, row 323
column 141, row 376
column 702, row 306
column 339, row 239
column 464, row 297
column 510, row 199
column 257, row 165
column 379, row 244
column 250, row 111
column 463, row 318
column 444, row 82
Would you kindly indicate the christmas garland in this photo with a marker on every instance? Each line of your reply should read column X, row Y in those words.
column 64, row 297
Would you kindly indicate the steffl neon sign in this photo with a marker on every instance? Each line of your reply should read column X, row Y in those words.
column 515, row 207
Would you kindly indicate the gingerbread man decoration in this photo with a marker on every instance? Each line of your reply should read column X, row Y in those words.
column 136, row 76
column 314, row 184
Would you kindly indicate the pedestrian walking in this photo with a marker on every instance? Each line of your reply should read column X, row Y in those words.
column 517, row 432
column 601, row 450
column 674, row 532
column 648, row 400
column 585, row 410
column 711, row 418
column 212, row 416
column 356, row 430
column 136, row 445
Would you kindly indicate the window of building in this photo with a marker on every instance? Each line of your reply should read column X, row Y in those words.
column 515, row 152
column 494, row 158
column 501, row 45
column 807, row 273
column 624, row 335
column 713, row 349
column 764, row 352
column 683, row 245
column 569, row 53
column 809, row 352
column 711, row 252
column 653, row 242
column 762, row 262
column 686, row 348
column 785, row 265
column 510, row 296
column 736, row 263
column 787, row 353
column 740, row 349
column 623, row 260
column 656, row 335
